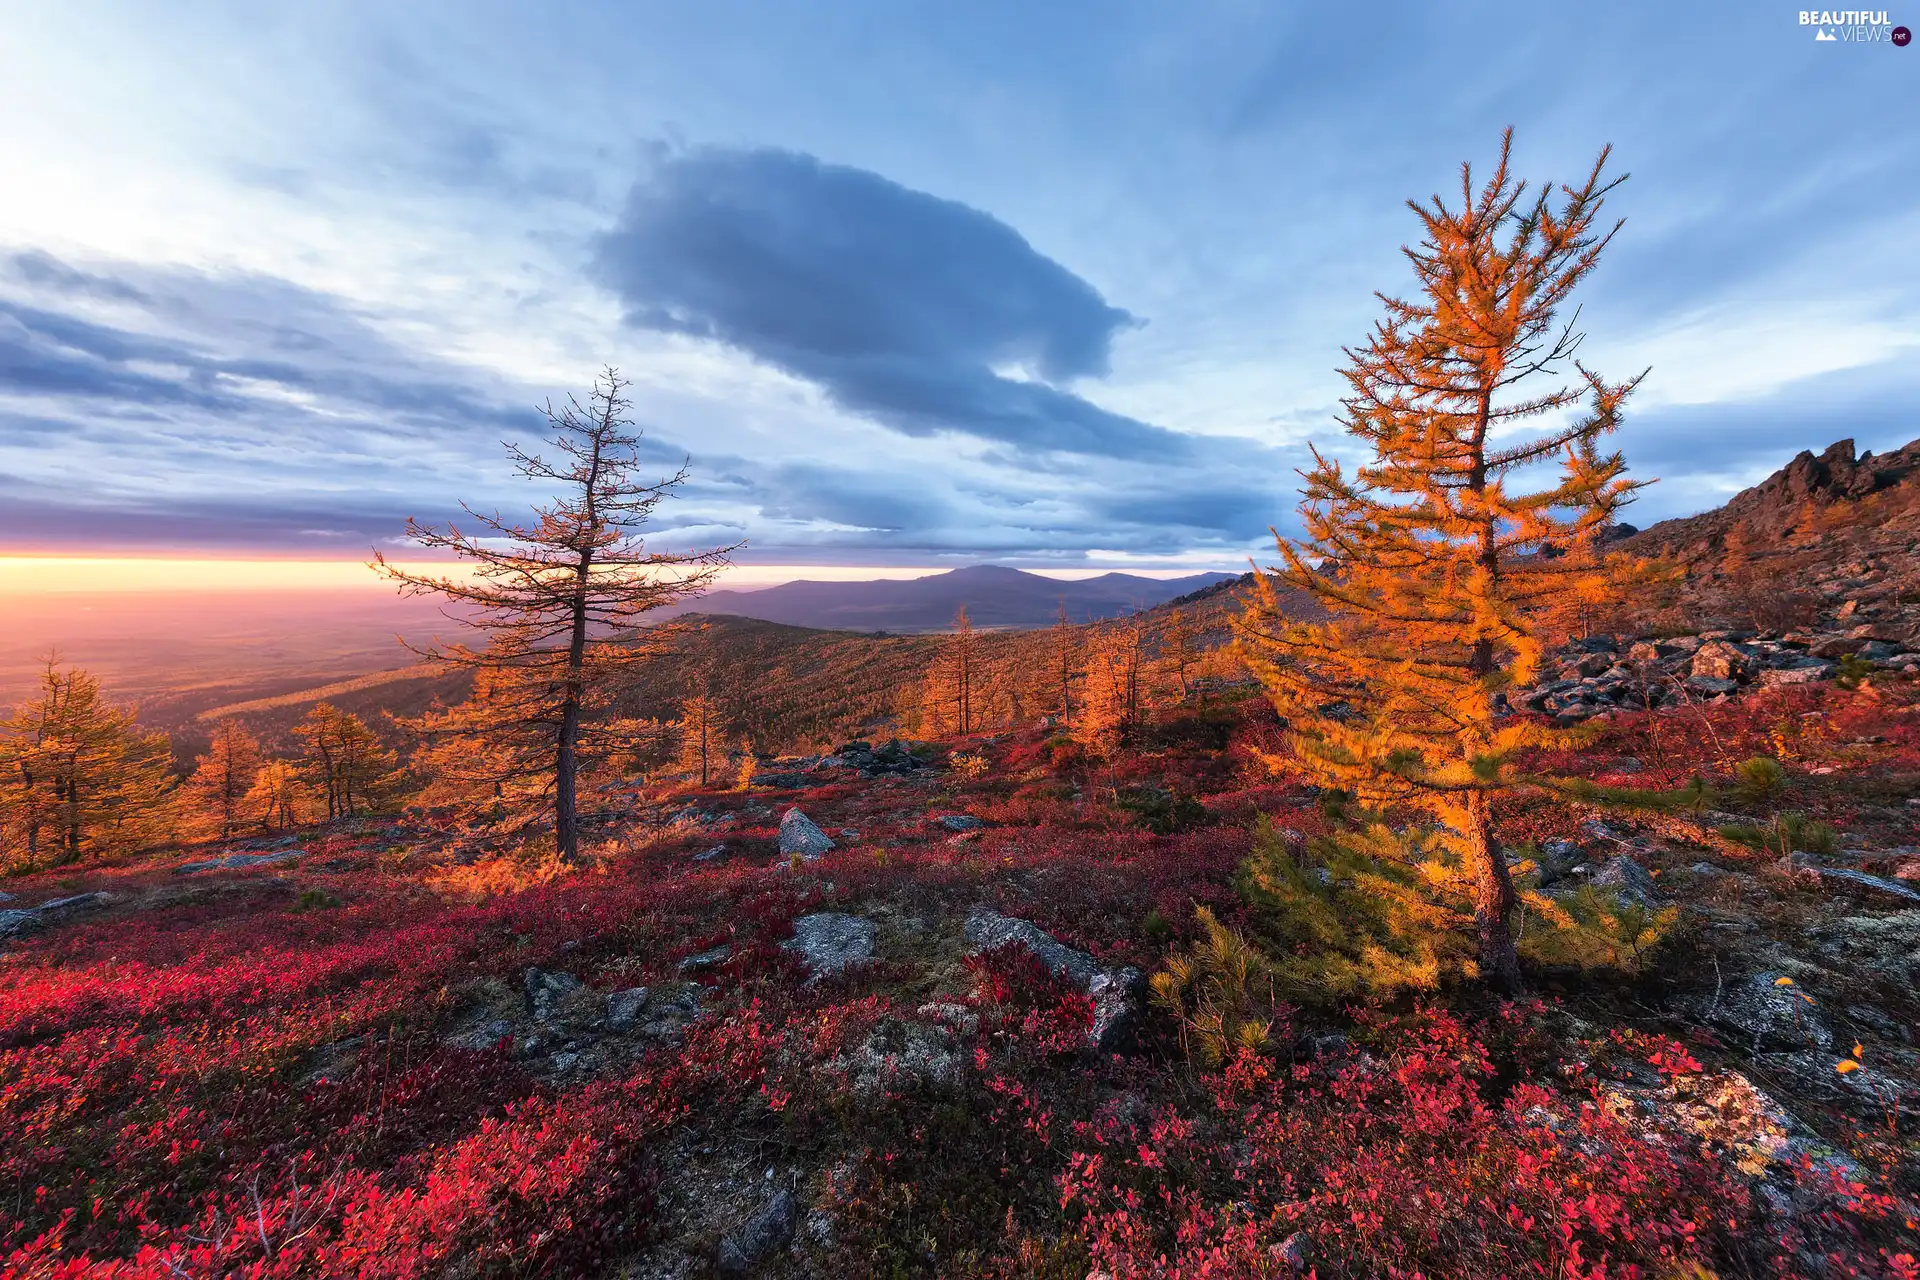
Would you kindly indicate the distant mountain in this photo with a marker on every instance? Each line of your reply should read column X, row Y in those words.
column 994, row 595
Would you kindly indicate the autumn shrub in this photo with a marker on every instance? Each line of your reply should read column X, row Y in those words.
column 1413, row 1160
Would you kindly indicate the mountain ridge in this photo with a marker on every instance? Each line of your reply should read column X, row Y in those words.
column 995, row 596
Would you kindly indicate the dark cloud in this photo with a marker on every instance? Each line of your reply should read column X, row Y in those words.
column 900, row 304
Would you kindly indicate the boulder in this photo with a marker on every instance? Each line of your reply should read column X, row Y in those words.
column 19, row 922
column 961, row 822
column 798, row 834
column 1759, row 1012
column 1712, row 686
column 711, row 855
column 1630, row 882
column 1865, row 881
column 830, row 942
column 1115, row 992
column 1808, row 673
column 753, row 1241
column 624, row 1007
column 1722, row 660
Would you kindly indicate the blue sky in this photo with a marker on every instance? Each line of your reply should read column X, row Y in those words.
column 1055, row 284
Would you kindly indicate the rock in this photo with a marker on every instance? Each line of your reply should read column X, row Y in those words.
column 1875, row 944
column 830, row 942
column 706, row 959
column 546, row 988
column 1116, row 1008
column 711, row 855
column 961, row 822
column 1761, row 1014
column 1861, row 878
column 1721, row 660
column 623, row 1008
column 1781, row 677
column 849, row 833
column 986, row 929
column 1836, row 646
column 18, row 922
column 1712, row 686
column 484, row 1036
column 234, row 861
column 798, row 834
column 1630, row 882
column 759, row 1236
column 1115, row 992
column 1294, row 1252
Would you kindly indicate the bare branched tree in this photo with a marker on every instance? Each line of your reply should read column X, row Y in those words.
column 561, row 603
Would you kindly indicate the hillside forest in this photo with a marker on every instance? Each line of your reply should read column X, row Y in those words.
column 1483, row 888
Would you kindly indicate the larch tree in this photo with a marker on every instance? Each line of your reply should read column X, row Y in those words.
column 1111, row 703
column 274, row 798
column 702, row 734
column 1065, row 661
column 1429, row 557
column 958, row 675
column 222, row 778
column 346, row 761
column 78, row 775
column 560, row 602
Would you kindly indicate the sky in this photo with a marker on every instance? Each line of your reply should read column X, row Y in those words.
column 910, row 285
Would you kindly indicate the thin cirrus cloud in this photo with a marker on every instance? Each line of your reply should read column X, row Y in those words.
column 907, row 309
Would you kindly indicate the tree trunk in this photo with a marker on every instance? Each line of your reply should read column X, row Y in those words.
column 1493, row 900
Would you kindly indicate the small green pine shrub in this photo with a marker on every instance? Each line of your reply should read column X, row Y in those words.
column 1759, row 779
column 1213, row 992
column 315, row 900
column 1786, row 834
column 1590, row 929
column 1154, row 926
column 1368, row 912
column 1854, row 669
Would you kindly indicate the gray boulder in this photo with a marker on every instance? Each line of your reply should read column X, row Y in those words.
column 1760, row 1013
column 624, row 1007
column 1722, row 661
column 19, row 922
column 1805, row 673
column 830, row 942
column 1630, row 882
column 799, row 834
column 961, row 822
column 754, row 1240
column 1115, row 992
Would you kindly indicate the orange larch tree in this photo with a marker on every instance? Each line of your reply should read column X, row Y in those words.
column 223, row 776
column 562, row 602
column 1438, row 556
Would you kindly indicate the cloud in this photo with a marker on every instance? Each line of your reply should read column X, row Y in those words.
column 920, row 313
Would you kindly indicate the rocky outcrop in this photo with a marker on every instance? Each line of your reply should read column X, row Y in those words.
column 1115, row 991
column 830, row 943
column 16, row 923
column 1598, row 674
